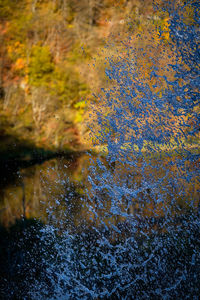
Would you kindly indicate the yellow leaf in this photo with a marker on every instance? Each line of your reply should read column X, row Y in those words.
column 20, row 64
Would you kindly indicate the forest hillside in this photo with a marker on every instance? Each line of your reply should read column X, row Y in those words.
column 53, row 60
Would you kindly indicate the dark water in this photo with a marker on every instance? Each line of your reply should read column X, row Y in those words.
column 34, row 265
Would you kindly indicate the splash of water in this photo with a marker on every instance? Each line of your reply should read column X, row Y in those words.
column 140, row 238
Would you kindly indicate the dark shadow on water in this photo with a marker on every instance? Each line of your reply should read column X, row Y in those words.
column 21, row 258
column 26, row 254
column 17, row 154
